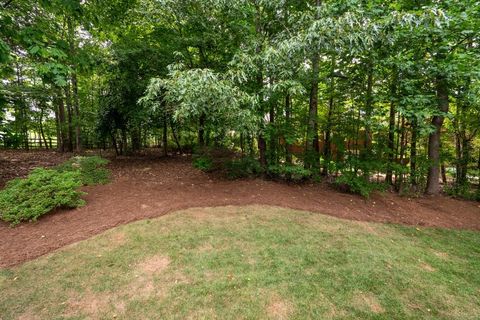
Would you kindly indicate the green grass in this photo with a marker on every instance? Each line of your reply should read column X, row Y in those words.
column 250, row 263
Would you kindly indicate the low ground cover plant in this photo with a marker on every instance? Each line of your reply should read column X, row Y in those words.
column 92, row 169
column 43, row 190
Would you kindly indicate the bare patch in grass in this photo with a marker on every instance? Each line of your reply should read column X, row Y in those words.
column 441, row 255
column 279, row 308
column 367, row 300
column 427, row 267
column 154, row 264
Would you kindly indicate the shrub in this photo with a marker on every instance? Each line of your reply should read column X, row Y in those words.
column 358, row 184
column 290, row 173
column 91, row 169
column 203, row 163
column 465, row 191
column 41, row 192
column 242, row 168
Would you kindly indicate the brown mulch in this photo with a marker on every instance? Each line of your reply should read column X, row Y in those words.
column 147, row 187
column 16, row 164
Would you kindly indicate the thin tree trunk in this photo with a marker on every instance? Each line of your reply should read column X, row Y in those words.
column 201, row 130
column 175, row 137
column 165, row 138
column 413, row 155
column 327, row 153
column 288, row 113
column 62, row 139
column 391, row 132
column 369, row 107
column 312, row 147
column 262, row 145
column 68, row 99
column 42, row 134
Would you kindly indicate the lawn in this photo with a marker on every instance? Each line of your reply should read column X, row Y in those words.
column 252, row 262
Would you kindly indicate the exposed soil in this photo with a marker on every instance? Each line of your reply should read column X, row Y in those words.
column 15, row 164
column 147, row 187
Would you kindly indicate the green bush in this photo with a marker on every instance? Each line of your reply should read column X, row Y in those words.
column 290, row 173
column 466, row 191
column 91, row 169
column 358, row 184
column 41, row 192
column 242, row 168
column 203, row 162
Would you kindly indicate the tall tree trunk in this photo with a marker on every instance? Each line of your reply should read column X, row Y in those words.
column 75, row 101
column 62, row 139
column 262, row 144
column 272, row 148
column 391, row 130
column 201, row 130
column 369, row 107
column 175, row 137
column 42, row 133
column 327, row 152
column 68, row 100
column 403, row 143
column 288, row 114
column 78, row 137
column 165, row 137
column 413, row 154
column 312, row 147
column 433, row 184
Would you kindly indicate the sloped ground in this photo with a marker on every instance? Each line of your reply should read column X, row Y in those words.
column 146, row 187
column 253, row 262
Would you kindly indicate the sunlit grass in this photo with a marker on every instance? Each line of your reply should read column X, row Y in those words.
column 249, row 263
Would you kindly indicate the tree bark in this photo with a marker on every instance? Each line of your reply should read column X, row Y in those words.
column 369, row 107
column 62, row 139
column 201, row 130
column 75, row 100
column 433, row 183
column 327, row 152
column 413, row 154
column 164, row 137
column 312, row 148
column 288, row 113
column 262, row 145
column 68, row 99
column 391, row 131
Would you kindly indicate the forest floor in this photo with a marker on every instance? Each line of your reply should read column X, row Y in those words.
column 150, row 186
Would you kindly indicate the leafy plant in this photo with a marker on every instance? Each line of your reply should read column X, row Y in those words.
column 358, row 184
column 42, row 191
column 290, row 173
column 203, row 163
column 91, row 169
column 242, row 168
column 465, row 191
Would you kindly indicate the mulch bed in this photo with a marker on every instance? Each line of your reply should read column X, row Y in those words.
column 150, row 186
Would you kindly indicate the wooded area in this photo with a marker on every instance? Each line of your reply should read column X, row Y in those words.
column 357, row 90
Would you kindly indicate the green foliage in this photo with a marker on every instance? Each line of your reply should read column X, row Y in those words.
column 243, row 168
column 358, row 184
column 465, row 191
column 41, row 192
column 91, row 169
column 203, row 162
column 291, row 173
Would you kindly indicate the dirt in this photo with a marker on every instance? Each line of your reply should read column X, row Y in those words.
column 15, row 164
column 148, row 187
